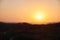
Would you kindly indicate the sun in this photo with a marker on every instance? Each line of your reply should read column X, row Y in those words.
column 39, row 16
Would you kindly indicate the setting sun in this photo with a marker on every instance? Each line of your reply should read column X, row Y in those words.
column 39, row 16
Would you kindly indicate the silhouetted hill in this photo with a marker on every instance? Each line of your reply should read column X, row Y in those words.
column 26, row 31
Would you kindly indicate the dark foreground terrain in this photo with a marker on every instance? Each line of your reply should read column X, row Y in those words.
column 25, row 31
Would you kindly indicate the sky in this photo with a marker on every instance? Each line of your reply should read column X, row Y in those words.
column 24, row 11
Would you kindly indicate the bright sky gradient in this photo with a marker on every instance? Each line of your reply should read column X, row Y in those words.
column 24, row 10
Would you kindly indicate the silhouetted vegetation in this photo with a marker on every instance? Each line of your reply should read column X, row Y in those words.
column 26, row 31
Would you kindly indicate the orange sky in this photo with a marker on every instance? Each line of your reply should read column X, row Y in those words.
column 24, row 10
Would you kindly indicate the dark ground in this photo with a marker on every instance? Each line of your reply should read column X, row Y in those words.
column 25, row 31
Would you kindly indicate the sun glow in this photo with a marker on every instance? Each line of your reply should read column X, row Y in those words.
column 39, row 16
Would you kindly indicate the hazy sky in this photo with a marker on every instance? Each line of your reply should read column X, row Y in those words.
column 22, row 10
